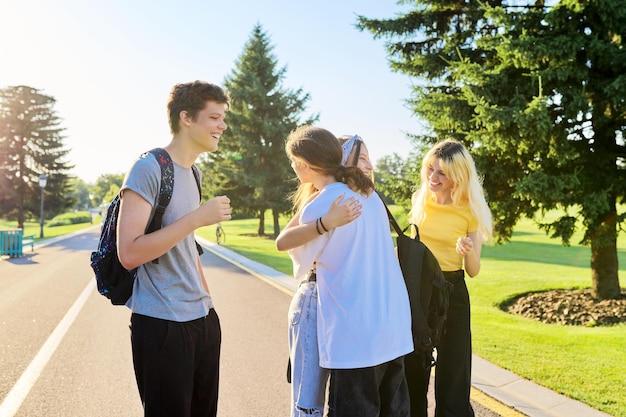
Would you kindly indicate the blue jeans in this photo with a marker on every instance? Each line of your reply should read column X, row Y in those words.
column 376, row 391
column 308, row 380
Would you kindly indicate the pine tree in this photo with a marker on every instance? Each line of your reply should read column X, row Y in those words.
column 538, row 93
column 251, row 166
column 31, row 143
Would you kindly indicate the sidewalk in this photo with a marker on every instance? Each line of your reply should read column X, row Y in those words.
column 514, row 391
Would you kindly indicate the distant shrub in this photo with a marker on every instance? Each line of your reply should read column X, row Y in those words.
column 66, row 219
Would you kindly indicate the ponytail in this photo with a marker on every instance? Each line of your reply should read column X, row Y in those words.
column 354, row 178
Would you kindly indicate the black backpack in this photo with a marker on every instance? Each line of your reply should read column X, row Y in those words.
column 429, row 291
column 113, row 280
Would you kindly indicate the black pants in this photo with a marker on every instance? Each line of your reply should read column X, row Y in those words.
column 177, row 365
column 417, row 378
column 453, row 373
column 376, row 391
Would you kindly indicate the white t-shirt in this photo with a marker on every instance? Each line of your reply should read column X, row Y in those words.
column 363, row 316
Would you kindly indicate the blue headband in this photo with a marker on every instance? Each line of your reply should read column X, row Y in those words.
column 347, row 148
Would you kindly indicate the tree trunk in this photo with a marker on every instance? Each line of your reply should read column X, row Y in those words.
column 21, row 191
column 20, row 209
column 604, row 263
column 276, row 215
column 261, row 231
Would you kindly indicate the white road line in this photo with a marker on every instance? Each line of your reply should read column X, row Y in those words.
column 16, row 396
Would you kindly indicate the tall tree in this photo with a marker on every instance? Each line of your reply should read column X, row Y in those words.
column 106, row 188
column 396, row 178
column 540, row 94
column 251, row 166
column 31, row 143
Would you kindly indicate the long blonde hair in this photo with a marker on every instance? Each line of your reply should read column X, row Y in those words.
column 457, row 164
column 321, row 150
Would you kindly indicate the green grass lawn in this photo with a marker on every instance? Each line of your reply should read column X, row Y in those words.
column 584, row 363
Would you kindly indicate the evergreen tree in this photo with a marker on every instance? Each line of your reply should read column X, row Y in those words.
column 251, row 166
column 31, row 143
column 539, row 93
column 396, row 178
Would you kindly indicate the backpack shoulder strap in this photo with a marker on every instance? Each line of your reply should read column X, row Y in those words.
column 165, row 189
column 396, row 227
column 392, row 219
column 196, row 175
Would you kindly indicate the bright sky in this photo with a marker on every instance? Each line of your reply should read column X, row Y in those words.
column 111, row 64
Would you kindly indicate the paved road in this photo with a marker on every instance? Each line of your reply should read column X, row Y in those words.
column 65, row 351
column 90, row 371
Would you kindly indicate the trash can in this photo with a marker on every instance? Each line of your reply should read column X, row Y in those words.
column 11, row 242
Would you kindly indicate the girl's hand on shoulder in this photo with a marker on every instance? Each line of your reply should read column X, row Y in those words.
column 342, row 212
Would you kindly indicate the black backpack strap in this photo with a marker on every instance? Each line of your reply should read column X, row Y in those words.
column 196, row 175
column 396, row 227
column 165, row 189
column 392, row 220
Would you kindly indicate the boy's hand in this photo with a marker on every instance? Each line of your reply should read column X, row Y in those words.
column 215, row 210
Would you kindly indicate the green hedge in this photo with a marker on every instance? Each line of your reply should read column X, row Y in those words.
column 66, row 219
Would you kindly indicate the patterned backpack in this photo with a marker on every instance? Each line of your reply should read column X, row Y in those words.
column 113, row 280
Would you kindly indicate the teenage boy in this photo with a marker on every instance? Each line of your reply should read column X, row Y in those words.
column 175, row 331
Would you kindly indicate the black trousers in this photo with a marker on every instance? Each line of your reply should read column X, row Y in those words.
column 417, row 379
column 177, row 365
column 453, row 372
column 376, row 391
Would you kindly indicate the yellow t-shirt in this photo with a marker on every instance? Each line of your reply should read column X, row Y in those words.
column 444, row 224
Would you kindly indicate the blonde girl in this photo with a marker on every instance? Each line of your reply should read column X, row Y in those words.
column 454, row 220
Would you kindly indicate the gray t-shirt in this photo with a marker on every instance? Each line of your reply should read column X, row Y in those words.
column 171, row 289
